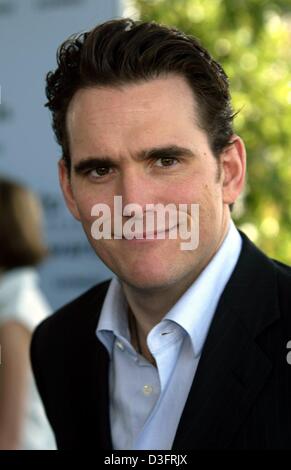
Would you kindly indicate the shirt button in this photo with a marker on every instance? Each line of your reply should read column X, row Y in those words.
column 147, row 389
column 119, row 345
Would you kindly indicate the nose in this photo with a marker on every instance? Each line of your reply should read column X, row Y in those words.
column 136, row 187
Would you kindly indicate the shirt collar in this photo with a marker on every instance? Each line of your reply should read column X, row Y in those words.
column 113, row 317
column 195, row 308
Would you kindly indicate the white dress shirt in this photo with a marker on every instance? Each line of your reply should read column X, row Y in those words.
column 146, row 402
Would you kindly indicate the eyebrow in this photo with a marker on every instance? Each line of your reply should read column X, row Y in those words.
column 146, row 154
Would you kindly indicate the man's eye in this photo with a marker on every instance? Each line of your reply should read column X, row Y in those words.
column 99, row 171
column 166, row 161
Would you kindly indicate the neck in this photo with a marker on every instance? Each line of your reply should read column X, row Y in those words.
column 137, row 340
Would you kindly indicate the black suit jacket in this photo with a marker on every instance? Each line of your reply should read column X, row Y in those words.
column 241, row 394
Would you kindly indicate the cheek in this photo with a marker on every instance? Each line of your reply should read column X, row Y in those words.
column 85, row 201
column 196, row 190
column 211, row 211
column 85, row 206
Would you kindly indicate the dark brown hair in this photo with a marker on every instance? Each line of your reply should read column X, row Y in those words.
column 21, row 238
column 124, row 51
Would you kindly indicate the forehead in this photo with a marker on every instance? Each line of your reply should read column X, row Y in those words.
column 164, row 107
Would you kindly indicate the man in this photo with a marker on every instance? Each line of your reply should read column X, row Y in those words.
column 184, row 348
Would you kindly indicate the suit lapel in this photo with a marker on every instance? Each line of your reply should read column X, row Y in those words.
column 233, row 368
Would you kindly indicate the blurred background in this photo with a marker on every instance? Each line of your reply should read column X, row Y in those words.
column 251, row 39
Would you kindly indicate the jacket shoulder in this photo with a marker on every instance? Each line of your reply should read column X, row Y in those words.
column 81, row 305
column 69, row 324
column 59, row 352
column 283, row 269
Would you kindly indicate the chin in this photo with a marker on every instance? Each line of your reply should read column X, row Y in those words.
column 149, row 279
column 147, row 285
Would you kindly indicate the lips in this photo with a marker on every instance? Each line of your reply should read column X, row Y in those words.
column 148, row 235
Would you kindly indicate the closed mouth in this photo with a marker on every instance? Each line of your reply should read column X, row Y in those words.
column 149, row 235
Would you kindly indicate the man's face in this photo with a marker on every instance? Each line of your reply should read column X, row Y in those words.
column 122, row 124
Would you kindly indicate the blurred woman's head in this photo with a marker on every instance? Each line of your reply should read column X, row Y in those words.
column 21, row 236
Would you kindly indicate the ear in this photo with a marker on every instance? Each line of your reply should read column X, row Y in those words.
column 66, row 187
column 233, row 162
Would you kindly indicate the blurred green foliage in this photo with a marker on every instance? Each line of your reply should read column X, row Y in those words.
column 252, row 41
